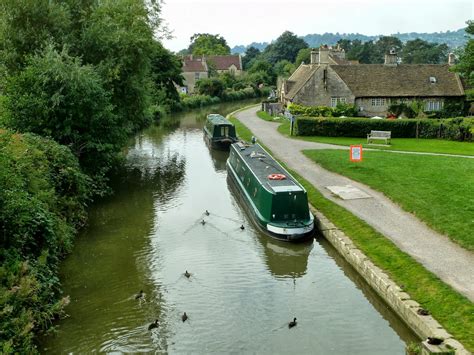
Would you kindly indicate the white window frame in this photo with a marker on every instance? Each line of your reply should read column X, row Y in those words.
column 197, row 76
column 337, row 100
column 433, row 105
column 378, row 101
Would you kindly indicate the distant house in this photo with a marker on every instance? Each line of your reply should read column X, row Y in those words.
column 198, row 67
column 330, row 79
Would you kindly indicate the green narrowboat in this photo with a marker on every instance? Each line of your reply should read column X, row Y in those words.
column 219, row 133
column 277, row 203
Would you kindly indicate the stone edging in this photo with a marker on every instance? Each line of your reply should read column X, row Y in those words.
column 391, row 293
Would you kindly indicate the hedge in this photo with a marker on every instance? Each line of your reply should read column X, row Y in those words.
column 454, row 128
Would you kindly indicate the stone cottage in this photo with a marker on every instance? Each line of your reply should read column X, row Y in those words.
column 330, row 79
column 197, row 67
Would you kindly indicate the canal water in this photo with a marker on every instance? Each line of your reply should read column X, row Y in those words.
column 244, row 287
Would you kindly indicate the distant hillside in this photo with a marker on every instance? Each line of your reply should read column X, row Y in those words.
column 452, row 38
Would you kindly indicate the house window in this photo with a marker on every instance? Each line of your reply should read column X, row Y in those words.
column 433, row 105
column 337, row 100
column 196, row 76
column 378, row 101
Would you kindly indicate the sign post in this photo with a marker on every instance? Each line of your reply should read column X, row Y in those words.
column 356, row 153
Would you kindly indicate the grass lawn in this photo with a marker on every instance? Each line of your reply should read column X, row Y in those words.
column 267, row 117
column 437, row 189
column 454, row 311
column 403, row 144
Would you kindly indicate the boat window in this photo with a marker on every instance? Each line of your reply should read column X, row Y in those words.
column 294, row 197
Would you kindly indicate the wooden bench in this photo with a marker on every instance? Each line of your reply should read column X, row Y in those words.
column 379, row 135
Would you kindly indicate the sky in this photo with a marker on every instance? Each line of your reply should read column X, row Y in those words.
column 246, row 21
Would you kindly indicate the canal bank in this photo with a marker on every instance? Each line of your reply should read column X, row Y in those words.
column 244, row 287
column 423, row 325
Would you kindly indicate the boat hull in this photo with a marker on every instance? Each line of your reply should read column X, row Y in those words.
column 219, row 144
column 297, row 233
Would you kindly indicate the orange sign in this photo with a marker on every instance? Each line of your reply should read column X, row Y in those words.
column 356, row 153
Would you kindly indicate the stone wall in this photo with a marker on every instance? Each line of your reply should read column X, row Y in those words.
column 190, row 80
column 314, row 92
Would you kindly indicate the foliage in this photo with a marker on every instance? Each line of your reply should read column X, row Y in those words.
column 324, row 111
column 56, row 96
column 199, row 101
column 304, row 55
column 250, row 54
column 419, row 51
column 210, row 86
column 455, row 129
column 208, row 44
column 465, row 67
column 43, row 195
column 284, row 68
column 285, row 47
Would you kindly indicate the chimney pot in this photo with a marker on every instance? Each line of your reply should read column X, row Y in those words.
column 451, row 59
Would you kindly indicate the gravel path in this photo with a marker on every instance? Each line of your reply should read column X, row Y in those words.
column 453, row 264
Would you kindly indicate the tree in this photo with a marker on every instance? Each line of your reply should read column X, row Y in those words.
column 250, row 55
column 304, row 55
column 284, row 68
column 56, row 96
column 419, row 51
column 210, row 86
column 208, row 44
column 286, row 47
column 465, row 67
column 384, row 45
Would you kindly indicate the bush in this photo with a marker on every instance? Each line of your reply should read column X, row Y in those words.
column 43, row 195
column 454, row 129
column 199, row 101
column 323, row 111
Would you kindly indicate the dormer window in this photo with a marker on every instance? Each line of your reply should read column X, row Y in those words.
column 433, row 80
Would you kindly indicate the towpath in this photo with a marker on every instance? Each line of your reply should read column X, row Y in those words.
column 451, row 263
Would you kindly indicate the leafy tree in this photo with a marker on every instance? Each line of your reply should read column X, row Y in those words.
column 419, row 51
column 250, row 55
column 25, row 27
column 58, row 97
column 208, row 44
column 465, row 67
column 284, row 68
column 165, row 73
column 210, row 86
column 382, row 46
column 304, row 55
column 286, row 47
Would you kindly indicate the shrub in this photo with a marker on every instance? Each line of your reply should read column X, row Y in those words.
column 323, row 111
column 454, row 129
column 43, row 195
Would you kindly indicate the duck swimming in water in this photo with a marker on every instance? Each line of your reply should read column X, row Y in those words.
column 184, row 317
column 242, row 227
column 187, row 274
column 292, row 323
column 203, row 222
column 140, row 295
column 207, row 213
column 153, row 325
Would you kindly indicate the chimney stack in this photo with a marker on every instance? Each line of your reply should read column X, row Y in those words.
column 314, row 57
column 391, row 57
column 451, row 59
column 324, row 55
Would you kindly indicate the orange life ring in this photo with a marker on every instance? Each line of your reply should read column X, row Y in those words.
column 276, row 177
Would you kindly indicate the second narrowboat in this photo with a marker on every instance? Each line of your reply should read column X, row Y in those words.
column 219, row 133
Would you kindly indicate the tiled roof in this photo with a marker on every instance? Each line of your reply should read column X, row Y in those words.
column 368, row 80
column 194, row 64
column 223, row 62
column 299, row 77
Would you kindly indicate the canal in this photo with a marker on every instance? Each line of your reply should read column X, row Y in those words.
column 244, row 287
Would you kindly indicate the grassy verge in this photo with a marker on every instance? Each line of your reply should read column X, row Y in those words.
column 402, row 144
column 267, row 117
column 454, row 311
column 437, row 189
column 242, row 131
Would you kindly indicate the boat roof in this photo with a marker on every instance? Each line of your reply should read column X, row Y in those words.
column 217, row 119
column 263, row 164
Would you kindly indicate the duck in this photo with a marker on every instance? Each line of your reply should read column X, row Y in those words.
column 207, row 213
column 184, row 317
column 242, row 227
column 203, row 222
column 423, row 312
column 292, row 323
column 140, row 295
column 187, row 274
column 434, row 340
column 153, row 325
